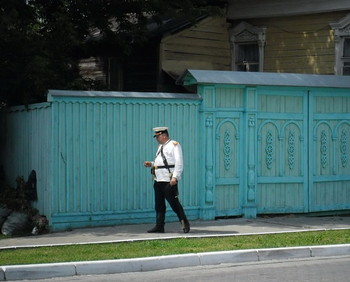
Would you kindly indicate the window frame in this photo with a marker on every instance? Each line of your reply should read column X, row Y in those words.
column 341, row 31
column 246, row 34
column 114, row 75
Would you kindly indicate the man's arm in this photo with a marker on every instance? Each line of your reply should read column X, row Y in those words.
column 178, row 161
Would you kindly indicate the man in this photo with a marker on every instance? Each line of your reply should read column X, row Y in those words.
column 167, row 169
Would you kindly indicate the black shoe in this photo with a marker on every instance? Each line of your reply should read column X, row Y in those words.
column 185, row 226
column 156, row 229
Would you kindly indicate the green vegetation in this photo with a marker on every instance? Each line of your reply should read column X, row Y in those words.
column 167, row 247
column 34, row 58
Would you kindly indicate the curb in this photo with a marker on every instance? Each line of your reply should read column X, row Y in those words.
column 51, row 270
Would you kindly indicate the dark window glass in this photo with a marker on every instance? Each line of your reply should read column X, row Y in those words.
column 114, row 74
column 248, row 52
column 247, row 57
column 346, row 47
column 346, row 68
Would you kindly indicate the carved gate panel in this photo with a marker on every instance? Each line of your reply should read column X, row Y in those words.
column 228, row 166
column 330, row 148
column 282, row 175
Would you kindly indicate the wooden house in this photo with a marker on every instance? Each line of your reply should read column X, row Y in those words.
column 290, row 36
column 155, row 66
column 266, row 36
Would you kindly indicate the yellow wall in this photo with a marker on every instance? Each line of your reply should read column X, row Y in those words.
column 297, row 44
column 202, row 46
column 300, row 44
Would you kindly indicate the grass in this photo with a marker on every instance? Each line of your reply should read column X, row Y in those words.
column 150, row 248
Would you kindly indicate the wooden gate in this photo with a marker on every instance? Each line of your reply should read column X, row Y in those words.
column 329, row 167
column 296, row 159
column 272, row 148
column 223, row 120
column 228, row 170
column 260, row 151
column 282, row 150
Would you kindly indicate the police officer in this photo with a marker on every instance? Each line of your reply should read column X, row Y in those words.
column 167, row 169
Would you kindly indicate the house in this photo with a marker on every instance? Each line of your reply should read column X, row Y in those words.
column 155, row 66
column 290, row 36
column 266, row 36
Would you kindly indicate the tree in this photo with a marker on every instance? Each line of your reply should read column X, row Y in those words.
column 43, row 40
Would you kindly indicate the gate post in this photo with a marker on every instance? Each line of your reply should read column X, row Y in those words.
column 208, row 212
column 249, row 208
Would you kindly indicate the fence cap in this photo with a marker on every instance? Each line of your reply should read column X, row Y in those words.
column 192, row 77
column 116, row 94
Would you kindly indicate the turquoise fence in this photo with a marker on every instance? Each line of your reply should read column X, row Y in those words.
column 253, row 143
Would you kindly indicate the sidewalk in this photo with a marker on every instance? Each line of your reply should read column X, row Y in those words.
column 127, row 233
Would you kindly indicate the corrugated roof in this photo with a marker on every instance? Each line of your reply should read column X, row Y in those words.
column 117, row 94
column 192, row 77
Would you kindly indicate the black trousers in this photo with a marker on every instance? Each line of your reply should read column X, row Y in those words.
column 163, row 191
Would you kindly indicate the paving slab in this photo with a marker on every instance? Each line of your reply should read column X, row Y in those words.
column 220, row 227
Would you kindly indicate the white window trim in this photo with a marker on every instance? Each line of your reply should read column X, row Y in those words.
column 246, row 33
column 341, row 31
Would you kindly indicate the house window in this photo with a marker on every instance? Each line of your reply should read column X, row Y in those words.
column 342, row 45
column 346, row 57
column 247, row 57
column 114, row 74
column 247, row 45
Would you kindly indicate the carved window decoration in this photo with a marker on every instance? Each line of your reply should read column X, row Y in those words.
column 343, row 148
column 291, row 150
column 269, row 149
column 247, row 44
column 227, row 150
column 324, row 149
column 342, row 45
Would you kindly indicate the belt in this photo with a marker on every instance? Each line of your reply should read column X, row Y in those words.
column 163, row 166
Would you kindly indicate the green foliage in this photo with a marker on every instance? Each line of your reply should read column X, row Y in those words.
column 150, row 248
column 43, row 40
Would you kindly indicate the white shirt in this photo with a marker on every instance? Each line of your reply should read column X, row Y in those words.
column 173, row 154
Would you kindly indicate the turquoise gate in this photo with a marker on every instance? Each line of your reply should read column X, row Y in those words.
column 329, row 137
column 254, row 143
column 275, row 143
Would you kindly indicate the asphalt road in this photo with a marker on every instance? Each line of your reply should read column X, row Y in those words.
column 306, row 270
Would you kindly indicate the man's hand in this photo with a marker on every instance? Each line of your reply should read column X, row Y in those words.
column 173, row 181
column 147, row 164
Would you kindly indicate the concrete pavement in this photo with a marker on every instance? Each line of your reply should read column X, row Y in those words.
column 128, row 233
